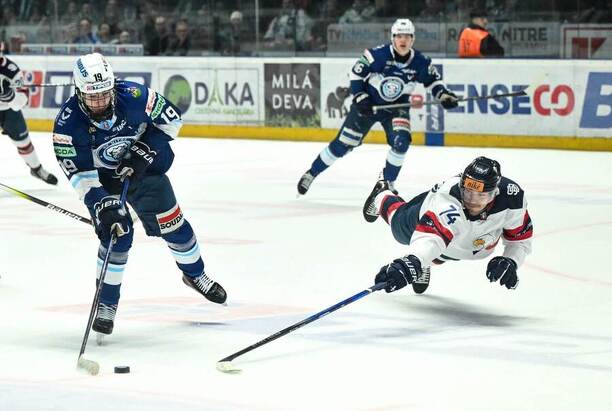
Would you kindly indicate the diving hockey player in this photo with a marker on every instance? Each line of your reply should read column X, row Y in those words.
column 386, row 74
column 460, row 219
column 12, row 100
column 111, row 129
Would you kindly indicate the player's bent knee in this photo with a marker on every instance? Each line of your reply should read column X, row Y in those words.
column 401, row 142
column 339, row 149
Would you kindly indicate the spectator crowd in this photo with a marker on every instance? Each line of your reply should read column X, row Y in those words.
column 194, row 27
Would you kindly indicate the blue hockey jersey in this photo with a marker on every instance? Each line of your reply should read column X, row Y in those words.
column 89, row 152
column 390, row 78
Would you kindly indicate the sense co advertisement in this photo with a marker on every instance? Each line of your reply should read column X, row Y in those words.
column 563, row 98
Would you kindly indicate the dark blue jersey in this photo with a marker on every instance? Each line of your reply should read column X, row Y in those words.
column 390, row 78
column 89, row 151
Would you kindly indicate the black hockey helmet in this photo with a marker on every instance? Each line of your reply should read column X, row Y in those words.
column 482, row 175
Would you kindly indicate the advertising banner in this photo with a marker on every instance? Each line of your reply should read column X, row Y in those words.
column 586, row 41
column 519, row 39
column 354, row 38
column 217, row 95
column 563, row 98
column 292, row 95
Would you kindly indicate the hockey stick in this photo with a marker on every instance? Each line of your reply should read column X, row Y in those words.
column 225, row 365
column 92, row 367
column 461, row 100
column 45, row 204
column 21, row 85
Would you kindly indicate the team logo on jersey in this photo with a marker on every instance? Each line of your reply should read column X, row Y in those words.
column 513, row 189
column 391, row 88
column 110, row 153
column 170, row 220
column 481, row 243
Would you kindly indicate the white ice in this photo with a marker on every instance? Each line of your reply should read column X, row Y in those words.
column 464, row 345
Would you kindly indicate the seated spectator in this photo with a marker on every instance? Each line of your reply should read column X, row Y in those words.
column 181, row 42
column 476, row 41
column 69, row 33
column 44, row 33
column 104, row 33
column 68, row 14
column 85, row 35
column 232, row 36
column 328, row 13
column 158, row 43
column 434, row 11
column 291, row 29
column 111, row 16
column 124, row 38
column 360, row 12
column 88, row 12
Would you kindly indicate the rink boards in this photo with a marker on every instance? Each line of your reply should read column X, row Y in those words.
column 568, row 103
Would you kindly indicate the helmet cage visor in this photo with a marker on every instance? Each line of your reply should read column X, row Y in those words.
column 99, row 106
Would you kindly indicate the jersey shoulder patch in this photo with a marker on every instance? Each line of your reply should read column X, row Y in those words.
column 511, row 196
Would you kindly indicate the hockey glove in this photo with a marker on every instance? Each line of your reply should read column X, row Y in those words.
column 136, row 161
column 399, row 273
column 363, row 104
column 110, row 215
column 448, row 99
column 20, row 100
column 503, row 268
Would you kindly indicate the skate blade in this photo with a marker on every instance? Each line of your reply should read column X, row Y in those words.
column 100, row 339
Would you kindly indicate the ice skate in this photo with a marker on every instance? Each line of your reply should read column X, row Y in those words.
column 304, row 183
column 420, row 284
column 370, row 213
column 105, row 318
column 210, row 289
column 42, row 174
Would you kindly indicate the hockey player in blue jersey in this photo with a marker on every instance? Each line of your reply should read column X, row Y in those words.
column 386, row 74
column 12, row 100
column 111, row 129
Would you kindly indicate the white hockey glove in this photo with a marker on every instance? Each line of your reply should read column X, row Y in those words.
column 19, row 102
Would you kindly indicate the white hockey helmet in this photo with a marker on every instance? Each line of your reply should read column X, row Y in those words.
column 402, row 26
column 93, row 75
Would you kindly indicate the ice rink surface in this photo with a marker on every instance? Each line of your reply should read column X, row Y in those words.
column 464, row 345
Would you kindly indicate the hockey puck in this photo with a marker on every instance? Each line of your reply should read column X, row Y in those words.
column 122, row 369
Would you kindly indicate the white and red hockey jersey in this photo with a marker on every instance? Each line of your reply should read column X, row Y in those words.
column 446, row 231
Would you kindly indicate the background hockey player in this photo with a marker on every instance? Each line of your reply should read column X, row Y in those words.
column 12, row 123
column 460, row 219
column 110, row 129
column 386, row 74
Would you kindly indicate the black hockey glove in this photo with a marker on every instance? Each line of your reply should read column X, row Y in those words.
column 399, row 273
column 448, row 99
column 504, row 268
column 136, row 161
column 110, row 215
column 363, row 104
